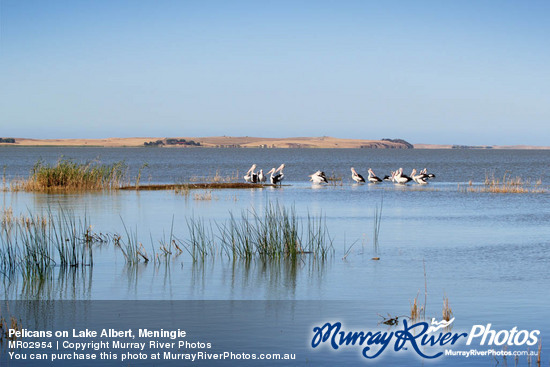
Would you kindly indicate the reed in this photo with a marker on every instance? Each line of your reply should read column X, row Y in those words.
column 447, row 312
column 184, row 190
column 275, row 233
column 376, row 227
column 200, row 243
column 33, row 244
column 5, row 328
column 539, row 352
column 4, row 187
column 507, row 184
column 217, row 178
column 131, row 248
column 138, row 178
column 335, row 180
column 205, row 196
column 69, row 175
column 416, row 309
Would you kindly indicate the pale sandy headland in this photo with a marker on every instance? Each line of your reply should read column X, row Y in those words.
column 253, row 142
column 221, row 141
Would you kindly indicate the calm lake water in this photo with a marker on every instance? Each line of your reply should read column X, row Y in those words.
column 488, row 253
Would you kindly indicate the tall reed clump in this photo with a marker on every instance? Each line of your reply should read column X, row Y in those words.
column 69, row 175
column 275, row 232
column 32, row 244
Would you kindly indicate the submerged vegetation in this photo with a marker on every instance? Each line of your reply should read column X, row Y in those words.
column 69, row 175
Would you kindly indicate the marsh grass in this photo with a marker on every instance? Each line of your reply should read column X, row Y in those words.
column 416, row 309
column 347, row 250
column 184, row 190
column 69, row 175
column 216, row 178
column 376, row 227
column 4, row 181
column 335, row 180
column 276, row 232
column 5, row 328
column 32, row 244
column 132, row 250
column 447, row 312
column 505, row 185
column 138, row 178
column 205, row 196
column 419, row 311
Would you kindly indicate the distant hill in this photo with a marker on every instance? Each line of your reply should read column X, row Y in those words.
column 223, row 142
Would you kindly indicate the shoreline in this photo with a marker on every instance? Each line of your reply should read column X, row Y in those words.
column 324, row 142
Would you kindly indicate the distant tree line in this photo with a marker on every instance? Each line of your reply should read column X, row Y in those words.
column 472, row 147
column 171, row 141
column 7, row 140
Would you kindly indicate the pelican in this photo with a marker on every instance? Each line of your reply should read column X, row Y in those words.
column 428, row 175
column 251, row 176
column 261, row 176
column 275, row 177
column 420, row 178
column 318, row 177
column 373, row 178
column 400, row 178
column 356, row 176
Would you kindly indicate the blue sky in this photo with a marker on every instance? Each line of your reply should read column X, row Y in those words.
column 450, row 72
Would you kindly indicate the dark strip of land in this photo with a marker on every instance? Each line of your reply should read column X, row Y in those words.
column 193, row 186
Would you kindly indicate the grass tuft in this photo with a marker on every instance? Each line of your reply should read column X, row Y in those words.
column 69, row 175
column 447, row 311
column 506, row 185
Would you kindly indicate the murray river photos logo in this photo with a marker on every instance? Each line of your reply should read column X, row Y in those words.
column 426, row 339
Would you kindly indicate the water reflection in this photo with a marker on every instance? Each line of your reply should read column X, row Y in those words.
column 210, row 279
column 64, row 282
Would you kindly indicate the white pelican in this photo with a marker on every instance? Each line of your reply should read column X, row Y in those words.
column 275, row 177
column 318, row 177
column 420, row 178
column 261, row 176
column 356, row 176
column 428, row 175
column 400, row 178
column 251, row 176
column 373, row 178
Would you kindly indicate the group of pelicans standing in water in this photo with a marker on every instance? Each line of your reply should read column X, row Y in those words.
column 319, row 177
